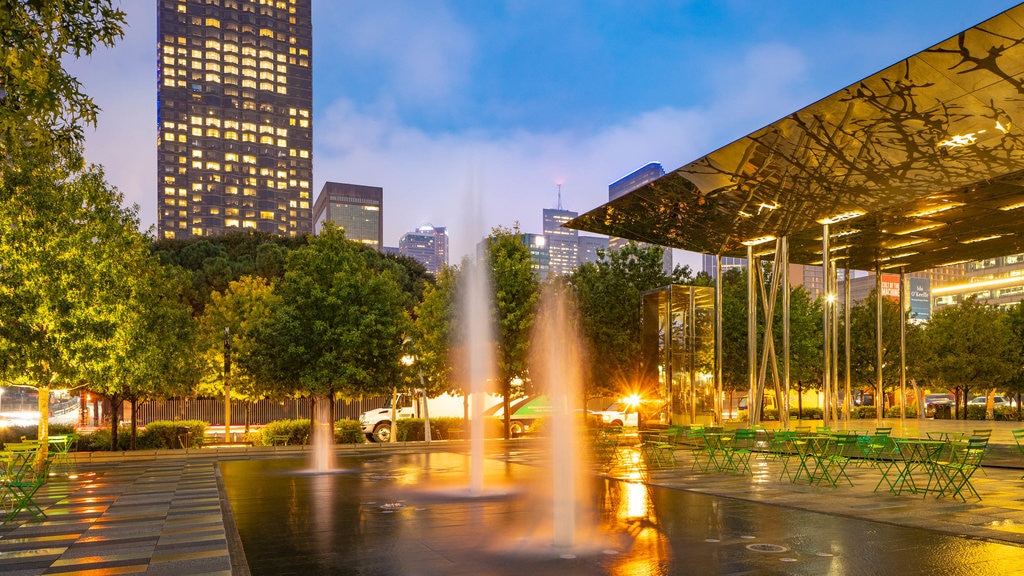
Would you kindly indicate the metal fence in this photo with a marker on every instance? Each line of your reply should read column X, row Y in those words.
column 211, row 410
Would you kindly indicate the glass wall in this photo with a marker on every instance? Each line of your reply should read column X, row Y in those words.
column 678, row 342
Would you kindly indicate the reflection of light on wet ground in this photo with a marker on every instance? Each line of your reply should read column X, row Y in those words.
column 341, row 524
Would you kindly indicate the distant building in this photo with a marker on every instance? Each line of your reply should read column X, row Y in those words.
column 563, row 243
column 427, row 245
column 710, row 265
column 353, row 207
column 918, row 292
column 234, row 117
column 589, row 246
column 538, row 246
column 627, row 184
column 634, row 180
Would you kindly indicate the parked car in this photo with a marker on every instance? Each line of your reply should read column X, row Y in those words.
column 932, row 402
column 996, row 401
column 618, row 414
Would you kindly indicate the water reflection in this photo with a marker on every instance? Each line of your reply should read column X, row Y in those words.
column 339, row 523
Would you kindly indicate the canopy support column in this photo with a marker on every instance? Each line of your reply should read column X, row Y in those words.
column 903, row 346
column 719, row 400
column 752, row 405
column 826, row 316
column 879, row 398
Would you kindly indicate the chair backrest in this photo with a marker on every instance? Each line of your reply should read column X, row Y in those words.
column 802, row 429
column 1018, row 435
column 985, row 433
column 883, row 431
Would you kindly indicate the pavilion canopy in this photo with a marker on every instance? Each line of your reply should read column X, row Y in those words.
column 918, row 166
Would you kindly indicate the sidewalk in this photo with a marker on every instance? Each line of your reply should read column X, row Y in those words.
column 163, row 512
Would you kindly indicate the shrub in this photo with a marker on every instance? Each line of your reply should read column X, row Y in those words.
column 297, row 431
column 99, row 440
column 348, row 431
column 808, row 413
column 894, row 411
column 171, row 434
column 770, row 415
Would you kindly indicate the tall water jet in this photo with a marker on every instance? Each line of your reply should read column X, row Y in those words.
column 556, row 365
column 322, row 454
column 478, row 338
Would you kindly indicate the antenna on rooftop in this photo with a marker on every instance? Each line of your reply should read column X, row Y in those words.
column 559, row 205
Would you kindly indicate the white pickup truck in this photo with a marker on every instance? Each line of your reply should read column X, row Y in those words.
column 618, row 414
column 376, row 424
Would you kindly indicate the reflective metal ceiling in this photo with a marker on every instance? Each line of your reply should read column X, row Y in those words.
column 925, row 159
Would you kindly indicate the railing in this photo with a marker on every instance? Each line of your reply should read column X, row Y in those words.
column 211, row 410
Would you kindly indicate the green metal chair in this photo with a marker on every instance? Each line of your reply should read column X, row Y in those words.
column 834, row 458
column 739, row 451
column 1018, row 436
column 954, row 476
column 23, row 479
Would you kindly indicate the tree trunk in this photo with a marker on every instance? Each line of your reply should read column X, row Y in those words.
column 115, row 403
column 44, row 425
column 135, row 427
column 506, row 405
column 331, row 416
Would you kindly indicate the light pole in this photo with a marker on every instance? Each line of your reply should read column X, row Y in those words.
column 227, row 384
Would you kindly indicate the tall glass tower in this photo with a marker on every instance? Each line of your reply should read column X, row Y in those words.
column 234, row 109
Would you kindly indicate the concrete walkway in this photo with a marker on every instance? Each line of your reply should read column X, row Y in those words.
column 163, row 512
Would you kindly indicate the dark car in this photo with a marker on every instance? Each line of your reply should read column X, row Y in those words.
column 933, row 402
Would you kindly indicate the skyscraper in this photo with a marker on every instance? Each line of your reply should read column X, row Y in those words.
column 353, row 207
column 427, row 245
column 234, row 107
column 563, row 243
column 639, row 177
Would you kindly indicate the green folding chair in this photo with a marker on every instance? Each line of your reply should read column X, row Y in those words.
column 23, row 479
column 738, row 452
column 954, row 476
column 1018, row 435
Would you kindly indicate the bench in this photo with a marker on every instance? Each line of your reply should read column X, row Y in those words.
column 278, row 440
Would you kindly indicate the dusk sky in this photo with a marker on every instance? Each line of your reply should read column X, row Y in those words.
column 451, row 105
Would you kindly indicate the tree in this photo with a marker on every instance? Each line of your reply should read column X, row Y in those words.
column 609, row 295
column 243, row 308
column 341, row 322
column 42, row 107
column 864, row 349
column 434, row 332
column 156, row 353
column 69, row 256
column 1015, row 321
column 515, row 286
column 972, row 344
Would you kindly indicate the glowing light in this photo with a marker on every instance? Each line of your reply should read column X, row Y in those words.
column 758, row 240
column 1012, row 206
column 898, row 256
column 981, row 238
column 633, row 400
column 961, row 140
column 849, row 215
column 921, row 228
column 935, row 209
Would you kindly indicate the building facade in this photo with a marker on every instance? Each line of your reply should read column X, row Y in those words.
column 710, row 265
column 428, row 246
column 639, row 177
column 356, row 208
column 589, row 247
column 563, row 243
column 234, row 110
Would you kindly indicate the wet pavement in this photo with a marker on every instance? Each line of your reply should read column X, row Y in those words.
column 404, row 509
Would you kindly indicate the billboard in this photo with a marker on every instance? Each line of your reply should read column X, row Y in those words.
column 920, row 299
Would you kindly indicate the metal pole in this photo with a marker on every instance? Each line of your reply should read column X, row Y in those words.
column 227, row 384
column 751, row 336
column 879, row 400
column 846, row 338
column 719, row 400
column 784, row 409
column 834, row 292
column 903, row 346
column 826, row 372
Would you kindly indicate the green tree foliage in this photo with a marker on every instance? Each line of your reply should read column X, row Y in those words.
column 42, row 107
column 863, row 348
column 243, row 308
column 972, row 345
column 217, row 261
column 156, row 353
column 515, row 285
column 434, row 332
column 341, row 323
column 609, row 294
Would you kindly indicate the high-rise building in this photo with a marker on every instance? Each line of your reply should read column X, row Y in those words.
column 234, row 111
column 563, row 243
column 353, row 207
column 428, row 246
column 588, row 247
column 710, row 265
column 639, row 177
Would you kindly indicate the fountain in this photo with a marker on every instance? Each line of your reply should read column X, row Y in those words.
column 478, row 337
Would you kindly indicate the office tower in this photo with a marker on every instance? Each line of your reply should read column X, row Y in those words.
column 589, row 246
column 640, row 177
column 709, row 264
column 427, row 245
column 234, row 106
column 563, row 243
column 353, row 207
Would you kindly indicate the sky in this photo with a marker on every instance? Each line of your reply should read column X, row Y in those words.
column 473, row 114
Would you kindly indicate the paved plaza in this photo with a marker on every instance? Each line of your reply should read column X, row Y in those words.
column 384, row 511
